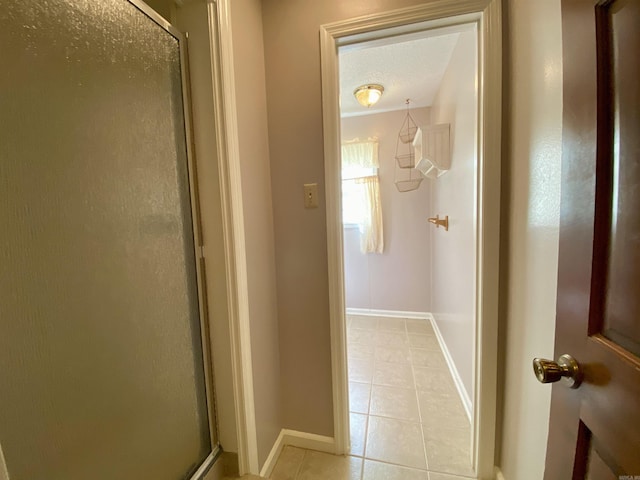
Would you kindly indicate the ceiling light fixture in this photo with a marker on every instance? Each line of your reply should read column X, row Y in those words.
column 368, row 95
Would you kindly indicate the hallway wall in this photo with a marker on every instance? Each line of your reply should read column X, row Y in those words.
column 530, row 214
column 249, row 76
column 453, row 253
column 292, row 56
column 255, row 170
column 399, row 278
column 166, row 8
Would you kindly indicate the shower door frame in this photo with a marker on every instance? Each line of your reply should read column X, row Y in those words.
column 197, row 235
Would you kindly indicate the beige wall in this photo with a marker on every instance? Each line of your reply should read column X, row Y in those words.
column 533, row 124
column 163, row 7
column 192, row 18
column 295, row 126
column 246, row 24
column 399, row 278
column 531, row 207
column 292, row 54
column 453, row 252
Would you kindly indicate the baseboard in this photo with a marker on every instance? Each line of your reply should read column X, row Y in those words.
column 387, row 313
column 271, row 460
column 499, row 475
column 464, row 396
column 310, row 441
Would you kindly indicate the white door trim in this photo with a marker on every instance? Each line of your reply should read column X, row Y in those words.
column 438, row 13
column 219, row 17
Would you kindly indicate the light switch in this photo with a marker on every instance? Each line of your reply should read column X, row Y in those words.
column 310, row 195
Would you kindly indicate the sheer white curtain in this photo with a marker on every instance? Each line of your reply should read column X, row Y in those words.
column 360, row 179
column 371, row 239
column 359, row 154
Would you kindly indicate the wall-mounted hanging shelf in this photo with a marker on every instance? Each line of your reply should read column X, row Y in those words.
column 432, row 150
column 406, row 177
column 408, row 185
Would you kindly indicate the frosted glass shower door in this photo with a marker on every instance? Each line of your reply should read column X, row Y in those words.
column 102, row 365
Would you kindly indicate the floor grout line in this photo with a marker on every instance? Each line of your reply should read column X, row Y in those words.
column 297, row 475
column 415, row 384
column 366, row 432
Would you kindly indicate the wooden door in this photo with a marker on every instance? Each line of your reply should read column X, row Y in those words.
column 594, row 430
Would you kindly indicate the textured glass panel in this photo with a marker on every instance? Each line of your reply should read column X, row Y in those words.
column 101, row 369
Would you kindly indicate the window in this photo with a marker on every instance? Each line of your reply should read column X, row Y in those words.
column 354, row 202
column 361, row 193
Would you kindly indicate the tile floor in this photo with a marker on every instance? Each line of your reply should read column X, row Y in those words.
column 407, row 419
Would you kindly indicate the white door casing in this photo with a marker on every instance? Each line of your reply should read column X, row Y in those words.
column 487, row 14
column 219, row 18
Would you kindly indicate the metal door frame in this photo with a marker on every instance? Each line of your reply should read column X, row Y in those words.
column 197, row 234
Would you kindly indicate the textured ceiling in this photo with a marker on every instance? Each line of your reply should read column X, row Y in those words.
column 407, row 67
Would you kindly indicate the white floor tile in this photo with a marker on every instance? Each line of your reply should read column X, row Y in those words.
column 446, row 476
column 360, row 370
column 419, row 326
column 363, row 321
column 288, row 463
column 449, row 451
column 395, row 441
column 323, row 466
column 388, row 354
column 393, row 375
column 438, row 410
column 421, row 357
column 391, row 324
column 394, row 402
column 359, row 394
column 385, row 471
column 358, row 429
column 403, row 403
column 428, row 342
column 361, row 336
column 434, row 380
column 355, row 350
column 391, row 339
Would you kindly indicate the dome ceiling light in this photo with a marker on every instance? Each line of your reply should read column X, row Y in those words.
column 368, row 95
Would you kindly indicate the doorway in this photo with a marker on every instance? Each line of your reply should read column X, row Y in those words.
column 409, row 283
column 486, row 200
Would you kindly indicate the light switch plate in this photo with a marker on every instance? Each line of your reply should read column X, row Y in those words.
column 310, row 195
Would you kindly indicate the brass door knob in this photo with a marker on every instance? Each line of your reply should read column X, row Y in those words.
column 567, row 369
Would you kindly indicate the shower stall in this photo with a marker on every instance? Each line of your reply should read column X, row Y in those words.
column 105, row 370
